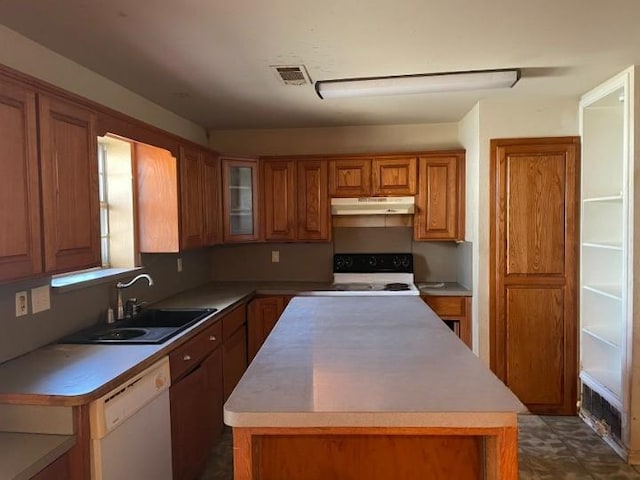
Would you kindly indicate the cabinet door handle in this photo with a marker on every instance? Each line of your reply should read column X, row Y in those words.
column 186, row 358
column 212, row 338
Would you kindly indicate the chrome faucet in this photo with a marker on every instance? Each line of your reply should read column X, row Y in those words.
column 121, row 286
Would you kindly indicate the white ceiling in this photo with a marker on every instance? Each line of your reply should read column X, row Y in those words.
column 208, row 60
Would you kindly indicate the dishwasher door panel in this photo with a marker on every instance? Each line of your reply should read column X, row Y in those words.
column 139, row 448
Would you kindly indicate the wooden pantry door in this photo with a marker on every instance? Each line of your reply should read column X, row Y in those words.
column 533, row 270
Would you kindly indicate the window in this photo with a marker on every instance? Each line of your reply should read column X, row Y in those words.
column 117, row 239
column 104, row 205
column 116, row 202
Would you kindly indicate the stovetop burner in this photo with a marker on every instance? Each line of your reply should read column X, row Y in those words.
column 396, row 287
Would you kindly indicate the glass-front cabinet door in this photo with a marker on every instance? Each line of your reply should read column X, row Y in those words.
column 240, row 181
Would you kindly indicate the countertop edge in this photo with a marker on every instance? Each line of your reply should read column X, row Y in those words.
column 370, row 419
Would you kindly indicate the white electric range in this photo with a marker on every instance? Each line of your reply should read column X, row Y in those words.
column 377, row 274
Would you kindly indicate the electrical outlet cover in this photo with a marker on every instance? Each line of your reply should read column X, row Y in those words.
column 22, row 306
column 40, row 299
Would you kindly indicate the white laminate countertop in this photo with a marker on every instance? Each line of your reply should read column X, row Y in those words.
column 367, row 362
column 68, row 374
column 443, row 289
column 22, row 455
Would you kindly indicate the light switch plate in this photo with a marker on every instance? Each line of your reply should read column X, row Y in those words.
column 275, row 256
column 179, row 264
column 40, row 299
column 22, row 306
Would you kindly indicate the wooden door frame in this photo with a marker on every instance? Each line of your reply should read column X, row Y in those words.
column 497, row 331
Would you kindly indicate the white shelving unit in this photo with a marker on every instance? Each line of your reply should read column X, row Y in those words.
column 606, row 259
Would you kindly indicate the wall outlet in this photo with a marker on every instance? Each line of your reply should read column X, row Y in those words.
column 40, row 299
column 275, row 256
column 22, row 307
column 179, row 264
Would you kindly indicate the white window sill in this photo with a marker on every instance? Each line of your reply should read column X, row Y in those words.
column 86, row 278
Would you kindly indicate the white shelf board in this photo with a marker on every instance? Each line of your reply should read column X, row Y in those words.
column 611, row 291
column 606, row 199
column 605, row 383
column 603, row 245
column 604, row 333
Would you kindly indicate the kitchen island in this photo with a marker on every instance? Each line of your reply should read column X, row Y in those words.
column 370, row 387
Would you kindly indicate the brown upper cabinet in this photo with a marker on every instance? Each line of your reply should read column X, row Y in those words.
column 240, row 200
column 350, row 177
column 394, row 175
column 212, row 198
column 295, row 200
column 49, row 219
column 199, row 198
column 314, row 220
column 365, row 176
column 440, row 208
column 191, row 198
column 278, row 188
column 70, row 201
column 20, row 231
column 177, row 201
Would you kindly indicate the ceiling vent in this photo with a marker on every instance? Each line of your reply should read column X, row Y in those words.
column 292, row 74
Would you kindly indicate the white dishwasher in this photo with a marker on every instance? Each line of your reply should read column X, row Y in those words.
column 131, row 428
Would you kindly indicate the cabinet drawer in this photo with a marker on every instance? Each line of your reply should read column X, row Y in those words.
column 233, row 320
column 187, row 356
column 444, row 306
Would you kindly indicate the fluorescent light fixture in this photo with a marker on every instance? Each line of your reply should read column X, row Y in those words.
column 411, row 84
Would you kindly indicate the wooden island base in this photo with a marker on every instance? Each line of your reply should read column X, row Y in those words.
column 375, row 453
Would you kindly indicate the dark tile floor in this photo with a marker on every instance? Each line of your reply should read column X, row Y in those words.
column 551, row 448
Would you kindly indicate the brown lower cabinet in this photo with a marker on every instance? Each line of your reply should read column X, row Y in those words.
column 196, row 416
column 262, row 315
column 56, row 470
column 203, row 372
column 234, row 348
column 455, row 312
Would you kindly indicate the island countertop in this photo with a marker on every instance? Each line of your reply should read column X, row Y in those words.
column 367, row 362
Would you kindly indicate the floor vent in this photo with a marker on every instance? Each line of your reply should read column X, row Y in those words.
column 292, row 74
column 602, row 413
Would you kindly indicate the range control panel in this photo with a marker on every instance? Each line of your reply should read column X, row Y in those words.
column 373, row 263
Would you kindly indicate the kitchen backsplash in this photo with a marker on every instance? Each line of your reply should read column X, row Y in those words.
column 434, row 261
column 76, row 309
column 301, row 262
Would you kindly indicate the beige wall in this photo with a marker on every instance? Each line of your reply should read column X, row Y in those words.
column 469, row 135
column 357, row 139
column 501, row 118
column 24, row 55
column 299, row 262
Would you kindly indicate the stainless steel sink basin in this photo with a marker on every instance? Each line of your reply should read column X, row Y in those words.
column 150, row 326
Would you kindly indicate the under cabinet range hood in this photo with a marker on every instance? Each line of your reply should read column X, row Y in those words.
column 373, row 206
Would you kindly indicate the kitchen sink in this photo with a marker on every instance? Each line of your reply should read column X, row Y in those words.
column 119, row 334
column 167, row 317
column 151, row 326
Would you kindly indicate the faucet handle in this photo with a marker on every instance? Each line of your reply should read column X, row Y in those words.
column 132, row 307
